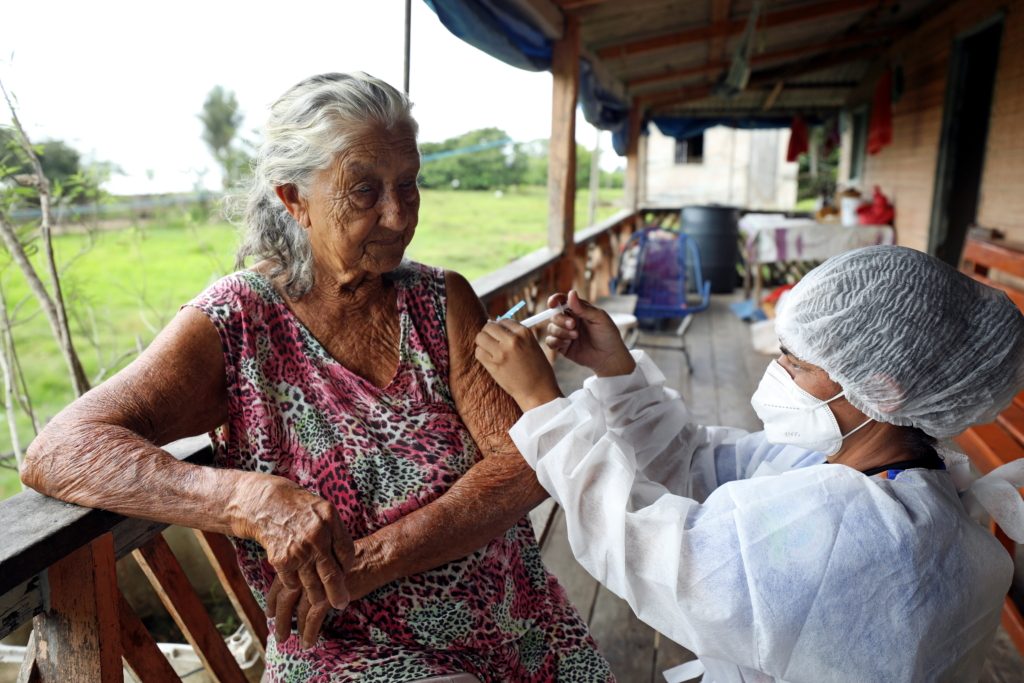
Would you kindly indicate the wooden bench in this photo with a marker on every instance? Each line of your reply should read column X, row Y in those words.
column 990, row 261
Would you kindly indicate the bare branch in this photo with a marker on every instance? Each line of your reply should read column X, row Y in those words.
column 55, row 305
column 6, row 354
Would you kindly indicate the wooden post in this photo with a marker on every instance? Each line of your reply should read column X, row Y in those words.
column 408, row 42
column 29, row 671
column 595, row 179
column 78, row 638
column 172, row 587
column 636, row 116
column 141, row 653
column 222, row 558
column 565, row 71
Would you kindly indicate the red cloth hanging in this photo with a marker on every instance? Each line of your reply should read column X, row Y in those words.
column 798, row 139
column 879, row 212
column 880, row 128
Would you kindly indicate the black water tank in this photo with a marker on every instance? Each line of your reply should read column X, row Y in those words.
column 715, row 229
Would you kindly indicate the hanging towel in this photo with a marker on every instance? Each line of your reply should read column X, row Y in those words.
column 798, row 139
column 880, row 128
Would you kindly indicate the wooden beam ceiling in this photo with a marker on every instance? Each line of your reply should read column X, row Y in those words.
column 729, row 27
column 719, row 14
column 810, row 49
column 765, row 78
column 573, row 5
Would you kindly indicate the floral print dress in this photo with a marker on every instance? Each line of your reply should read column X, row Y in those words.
column 378, row 454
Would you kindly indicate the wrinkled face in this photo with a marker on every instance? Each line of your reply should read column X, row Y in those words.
column 362, row 210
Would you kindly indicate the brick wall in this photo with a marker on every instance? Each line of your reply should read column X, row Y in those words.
column 906, row 169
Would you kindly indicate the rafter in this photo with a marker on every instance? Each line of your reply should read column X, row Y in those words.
column 818, row 47
column 766, row 78
column 773, row 95
column 573, row 5
column 719, row 13
column 729, row 27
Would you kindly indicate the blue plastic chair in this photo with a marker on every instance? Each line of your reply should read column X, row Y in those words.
column 668, row 273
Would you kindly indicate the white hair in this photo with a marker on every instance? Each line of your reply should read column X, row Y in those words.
column 308, row 127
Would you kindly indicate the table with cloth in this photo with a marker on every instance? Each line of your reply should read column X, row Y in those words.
column 777, row 239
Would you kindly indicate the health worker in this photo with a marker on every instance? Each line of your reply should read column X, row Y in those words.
column 842, row 543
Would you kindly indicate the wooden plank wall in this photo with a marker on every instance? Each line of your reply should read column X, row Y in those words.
column 906, row 169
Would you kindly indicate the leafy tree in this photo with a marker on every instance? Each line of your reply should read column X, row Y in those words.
column 71, row 180
column 477, row 160
column 221, row 119
column 467, row 162
column 536, row 173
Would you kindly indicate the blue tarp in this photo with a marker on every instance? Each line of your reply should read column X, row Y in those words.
column 682, row 128
column 602, row 109
column 497, row 30
column 503, row 33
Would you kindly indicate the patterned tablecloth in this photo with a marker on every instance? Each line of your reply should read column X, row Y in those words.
column 771, row 238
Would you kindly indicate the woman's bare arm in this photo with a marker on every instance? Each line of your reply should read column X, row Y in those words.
column 492, row 496
column 104, row 451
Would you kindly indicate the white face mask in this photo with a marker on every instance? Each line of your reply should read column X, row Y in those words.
column 793, row 416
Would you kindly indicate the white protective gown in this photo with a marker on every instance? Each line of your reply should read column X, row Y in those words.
column 765, row 561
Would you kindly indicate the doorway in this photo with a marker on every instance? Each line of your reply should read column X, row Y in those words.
column 972, row 75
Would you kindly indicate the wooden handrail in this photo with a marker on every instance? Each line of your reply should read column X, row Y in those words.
column 38, row 531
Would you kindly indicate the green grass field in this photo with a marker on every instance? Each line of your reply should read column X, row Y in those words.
column 122, row 286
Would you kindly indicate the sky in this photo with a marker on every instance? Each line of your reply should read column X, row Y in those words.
column 123, row 81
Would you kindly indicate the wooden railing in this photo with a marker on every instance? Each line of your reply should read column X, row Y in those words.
column 588, row 265
column 57, row 567
column 57, row 561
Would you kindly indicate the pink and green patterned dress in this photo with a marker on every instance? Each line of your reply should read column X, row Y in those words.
column 378, row 454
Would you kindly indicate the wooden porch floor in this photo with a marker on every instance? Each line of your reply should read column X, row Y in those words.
column 726, row 372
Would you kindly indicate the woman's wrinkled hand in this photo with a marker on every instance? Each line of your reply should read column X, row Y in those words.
column 308, row 547
column 586, row 335
column 511, row 354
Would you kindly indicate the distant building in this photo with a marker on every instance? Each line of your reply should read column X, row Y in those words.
column 744, row 168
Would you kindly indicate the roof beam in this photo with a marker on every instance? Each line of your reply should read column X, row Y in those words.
column 546, row 16
column 716, row 46
column 818, row 47
column 573, row 5
column 729, row 27
column 765, row 78
column 773, row 95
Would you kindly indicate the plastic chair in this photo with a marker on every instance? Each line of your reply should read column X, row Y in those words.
column 662, row 268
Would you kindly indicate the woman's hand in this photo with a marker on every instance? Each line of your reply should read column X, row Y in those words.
column 587, row 336
column 511, row 354
column 308, row 547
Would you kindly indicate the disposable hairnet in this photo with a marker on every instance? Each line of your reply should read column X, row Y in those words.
column 911, row 340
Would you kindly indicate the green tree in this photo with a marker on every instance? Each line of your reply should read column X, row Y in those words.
column 536, row 173
column 477, row 160
column 72, row 181
column 221, row 119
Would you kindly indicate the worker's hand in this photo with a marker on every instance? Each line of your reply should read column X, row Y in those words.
column 517, row 363
column 308, row 547
column 586, row 335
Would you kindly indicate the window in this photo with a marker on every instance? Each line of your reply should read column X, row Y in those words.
column 690, row 150
column 858, row 148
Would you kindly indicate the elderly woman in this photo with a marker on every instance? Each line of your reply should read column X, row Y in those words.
column 833, row 546
column 344, row 402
